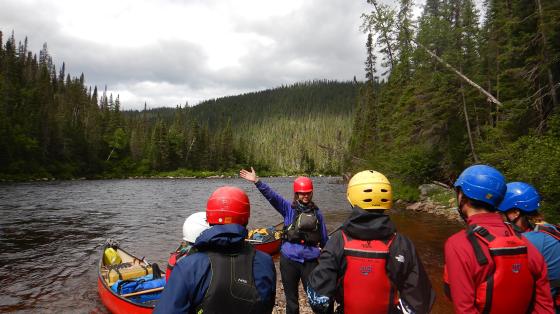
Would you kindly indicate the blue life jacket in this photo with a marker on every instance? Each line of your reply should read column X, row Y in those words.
column 139, row 284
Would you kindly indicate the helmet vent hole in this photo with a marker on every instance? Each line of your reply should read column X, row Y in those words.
column 384, row 200
column 368, row 190
column 367, row 200
column 384, row 190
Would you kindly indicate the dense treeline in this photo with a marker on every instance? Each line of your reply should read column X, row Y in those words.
column 301, row 128
column 49, row 122
column 426, row 121
column 52, row 125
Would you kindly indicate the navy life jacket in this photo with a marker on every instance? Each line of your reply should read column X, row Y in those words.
column 232, row 287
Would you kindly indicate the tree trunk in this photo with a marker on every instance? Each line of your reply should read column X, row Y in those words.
column 389, row 50
column 468, row 124
column 189, row 150
column 111, row 153
column 461, row 75
column 545, row 57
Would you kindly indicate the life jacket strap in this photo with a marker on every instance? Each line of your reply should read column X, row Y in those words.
column 471, row 236
column 548, row 230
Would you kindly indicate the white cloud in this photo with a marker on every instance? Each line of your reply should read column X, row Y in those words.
column 168, row 52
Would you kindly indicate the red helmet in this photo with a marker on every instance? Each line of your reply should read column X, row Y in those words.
column 228, row 205
column 303, row 185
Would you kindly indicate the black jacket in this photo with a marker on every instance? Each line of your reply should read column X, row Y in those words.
column 404, row 268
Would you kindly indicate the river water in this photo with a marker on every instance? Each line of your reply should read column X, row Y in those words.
column 51, row 232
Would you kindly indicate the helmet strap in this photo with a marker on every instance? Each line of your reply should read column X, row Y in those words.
column 525, row 222
column 514, row 221
column 461, row 201
column 461, row 214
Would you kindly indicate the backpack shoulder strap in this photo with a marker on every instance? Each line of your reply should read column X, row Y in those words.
column 548, row 230
column 474, row 232
column 389, row 241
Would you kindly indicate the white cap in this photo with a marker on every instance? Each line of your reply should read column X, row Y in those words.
column 194, row 225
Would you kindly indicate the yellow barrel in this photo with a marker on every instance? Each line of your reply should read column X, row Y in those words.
column 130, row 272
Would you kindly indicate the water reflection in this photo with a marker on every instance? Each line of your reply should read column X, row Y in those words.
column 51, row 232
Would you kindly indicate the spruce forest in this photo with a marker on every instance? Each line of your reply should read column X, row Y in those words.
column 459, row 83
column 424, row 120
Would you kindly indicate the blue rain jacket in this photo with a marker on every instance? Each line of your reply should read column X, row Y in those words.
column 550, row 250
column 294, row 251
column 192, row 274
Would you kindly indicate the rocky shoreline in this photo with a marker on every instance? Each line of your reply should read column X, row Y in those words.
column 430, row 207
column 436, row 200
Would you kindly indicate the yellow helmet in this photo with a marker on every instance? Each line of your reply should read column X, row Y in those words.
column 370, row 190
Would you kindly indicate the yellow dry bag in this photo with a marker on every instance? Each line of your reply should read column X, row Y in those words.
column 111, row 257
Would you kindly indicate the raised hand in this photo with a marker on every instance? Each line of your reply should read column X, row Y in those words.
column 249, row 176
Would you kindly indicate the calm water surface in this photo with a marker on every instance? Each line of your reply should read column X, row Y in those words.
column 51, row 232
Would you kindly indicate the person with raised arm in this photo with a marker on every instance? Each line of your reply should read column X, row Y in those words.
column 305, row 234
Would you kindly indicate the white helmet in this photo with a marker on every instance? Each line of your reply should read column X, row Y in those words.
column 194, row 225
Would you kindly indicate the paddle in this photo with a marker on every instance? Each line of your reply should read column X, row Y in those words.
column 142, row 292
column 278, row 225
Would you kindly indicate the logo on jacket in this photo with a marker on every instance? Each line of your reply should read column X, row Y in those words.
column 365, row 270
column 516, row 268
column 367, row 244
column 241, row 280
column 399, row 258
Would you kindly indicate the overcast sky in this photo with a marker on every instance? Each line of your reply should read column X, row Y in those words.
column 168, row 52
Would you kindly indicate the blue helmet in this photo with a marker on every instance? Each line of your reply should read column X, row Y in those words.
column 522, row 196
column 482, row 183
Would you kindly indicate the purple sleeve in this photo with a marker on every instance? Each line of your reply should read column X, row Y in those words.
column 276, row 200
column 324, row 234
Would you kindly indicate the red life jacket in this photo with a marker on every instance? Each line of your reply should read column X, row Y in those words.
column 170, row 264
column 510, row 286
column 367, row 288
column 174, row 257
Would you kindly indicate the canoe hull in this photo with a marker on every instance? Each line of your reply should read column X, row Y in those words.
column 118, row 305
column 115, row 303
column 271, row 248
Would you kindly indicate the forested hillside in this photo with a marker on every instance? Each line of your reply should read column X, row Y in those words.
column 303, row 127
column 424, row 121
column 52, row 125
column 299, row 128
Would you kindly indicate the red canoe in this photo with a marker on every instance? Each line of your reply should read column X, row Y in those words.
column 270, row 246
column 130, row 267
